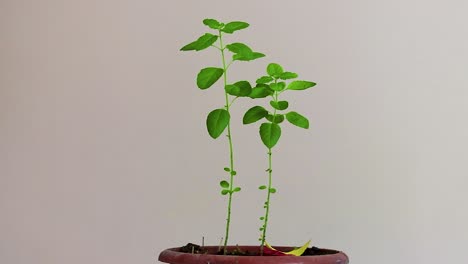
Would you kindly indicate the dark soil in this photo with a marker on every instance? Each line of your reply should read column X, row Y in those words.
column 196, row 249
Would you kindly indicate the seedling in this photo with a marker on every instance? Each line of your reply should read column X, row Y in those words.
column 270, row 131
column 219, row 120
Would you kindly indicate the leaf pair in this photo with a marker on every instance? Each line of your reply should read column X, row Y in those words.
column 242, row 52
column 226, row 28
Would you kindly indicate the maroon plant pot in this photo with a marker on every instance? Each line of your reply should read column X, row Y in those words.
column 174, row 256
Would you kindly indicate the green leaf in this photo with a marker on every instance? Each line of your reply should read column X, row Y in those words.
column 278, row 86
column 233, row 173
column 234, row 26
column 262, row 218
column 248, row 56
column 264, row 79
column 263, row 187
column 300, row 85
column 224, row 192
column 242, row 52
column 254, row 114
column 212, row 23
column 297, row 119
column 227, row 169
column 224, row 184
column 240, row 88
column 272, row 190
column 288, row 75
column 217, row 121
column 279, row 105
column 278, row 118
column 201, row 43
column 260, row 92
column 270, row 133
column 237, row 189
column 274, row 70
column 208, row 76
column 238, row 47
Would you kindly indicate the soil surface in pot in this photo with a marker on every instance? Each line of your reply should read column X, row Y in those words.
column 237, row 251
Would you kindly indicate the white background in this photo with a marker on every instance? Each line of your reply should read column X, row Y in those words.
column 104, row 157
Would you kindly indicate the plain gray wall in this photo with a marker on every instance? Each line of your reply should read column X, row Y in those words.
column 104, row 157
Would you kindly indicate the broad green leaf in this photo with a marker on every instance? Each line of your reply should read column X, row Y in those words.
column 224, row 184
column 274, row 70
column 242, row 52
column 237, row 189
column 212, row 23
column 288, row 75
column 254, row 114
column 248, row 56
column 279, row 105
column 300, row 85
column 238, row 47
column 264, row 79
column 278, row 118
column 224, row 192
column 208, row 76
column 201, row 43
column 272, row 190
column 234, row 26
column 270, row 133
column 260, row 91
column 227, row 169
column 278, row 86
column 240, row 88
column 217, row 121
column 298, row 120
column 263, row 187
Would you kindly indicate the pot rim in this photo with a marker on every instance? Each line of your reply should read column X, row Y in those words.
column 174, row 256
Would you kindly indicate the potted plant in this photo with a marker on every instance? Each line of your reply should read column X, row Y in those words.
column 218, row 121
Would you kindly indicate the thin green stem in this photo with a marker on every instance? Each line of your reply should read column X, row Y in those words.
column 267, row 203
column 231, row 152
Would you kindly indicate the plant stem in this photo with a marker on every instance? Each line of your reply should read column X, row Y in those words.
column 231, row 152
column 267, row 203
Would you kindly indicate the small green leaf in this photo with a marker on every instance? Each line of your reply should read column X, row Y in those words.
column 264, row 79
column 262, row 218
column 224, row 192
column 237, row 189
column 217, row 121
column 278, row 118
column 233, row 173
column 260, row 92
column 227, row 169
column 254, row 114
column 224, row 184
column 270, row 133
column 212, row 23
column 208, row 76
column 234, row 26
column 300, row 85
column 263, row 187
column 288, row 75
column 261, row 228
column 272, row 190
column 278, row 86
column 279, row 105
column 201, row 43
column 297, row 119
column 274, row 70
